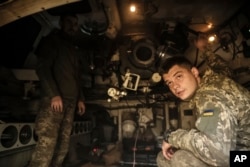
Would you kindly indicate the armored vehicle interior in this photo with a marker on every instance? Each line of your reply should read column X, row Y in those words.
column 127, row 105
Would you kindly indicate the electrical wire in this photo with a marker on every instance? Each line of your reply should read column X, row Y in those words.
column 134, row 150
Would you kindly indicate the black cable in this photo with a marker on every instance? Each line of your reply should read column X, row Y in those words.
column 196, row 57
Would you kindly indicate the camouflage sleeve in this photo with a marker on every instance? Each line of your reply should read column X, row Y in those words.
column 215, row 134
column 217, row 63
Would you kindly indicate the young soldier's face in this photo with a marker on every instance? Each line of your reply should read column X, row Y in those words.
column 181, row 81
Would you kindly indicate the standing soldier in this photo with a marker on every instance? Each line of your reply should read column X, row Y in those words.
column 58, row 71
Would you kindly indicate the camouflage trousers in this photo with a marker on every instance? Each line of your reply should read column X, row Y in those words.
column 181, row 158
column 53, row 130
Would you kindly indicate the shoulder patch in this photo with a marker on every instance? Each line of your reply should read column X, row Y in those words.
column 208, row 112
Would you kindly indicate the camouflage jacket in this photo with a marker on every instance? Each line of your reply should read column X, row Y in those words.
column 223, row 120
column 217, row 63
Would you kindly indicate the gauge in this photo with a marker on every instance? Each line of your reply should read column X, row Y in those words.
column 112, row 92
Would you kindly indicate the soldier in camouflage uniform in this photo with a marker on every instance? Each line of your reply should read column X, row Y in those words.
column 223, row 117
column 58, row 71
column 211, row 59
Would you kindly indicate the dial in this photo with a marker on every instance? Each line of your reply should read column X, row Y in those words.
column 112, row 92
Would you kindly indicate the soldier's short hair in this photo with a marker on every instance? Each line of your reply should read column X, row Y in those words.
column 175, row 60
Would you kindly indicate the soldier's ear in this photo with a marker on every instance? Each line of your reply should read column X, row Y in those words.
column 195, row 72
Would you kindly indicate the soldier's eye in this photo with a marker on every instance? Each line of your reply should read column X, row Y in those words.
column 169, row 83
column 179, row 77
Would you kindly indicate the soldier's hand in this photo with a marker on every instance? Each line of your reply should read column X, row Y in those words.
column 167, row 150
column 57, row 104
column 81, row 108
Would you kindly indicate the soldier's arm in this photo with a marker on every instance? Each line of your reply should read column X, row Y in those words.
column 217, row 63
column 212, row 60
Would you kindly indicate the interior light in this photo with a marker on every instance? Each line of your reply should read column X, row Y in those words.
column 132, row 8
column 210, row 25
column 211, row 38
